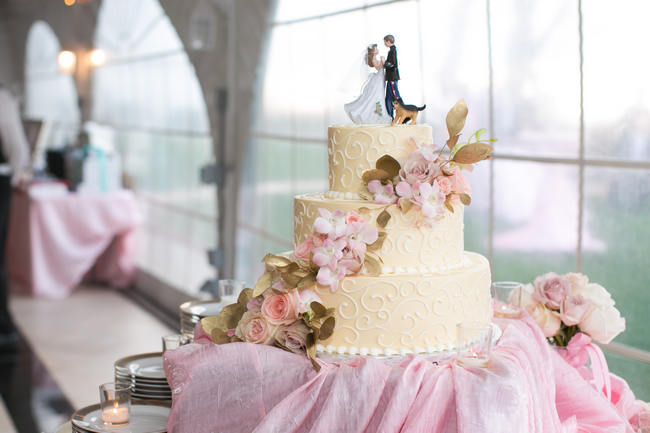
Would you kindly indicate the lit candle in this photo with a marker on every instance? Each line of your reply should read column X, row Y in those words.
column 115, row 414
column 506, row 310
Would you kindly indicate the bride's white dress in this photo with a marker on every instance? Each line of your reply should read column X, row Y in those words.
column 370, row 108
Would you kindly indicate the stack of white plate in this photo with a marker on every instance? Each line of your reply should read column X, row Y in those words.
column 144, row 418
column 145, row 375
column 192, row 312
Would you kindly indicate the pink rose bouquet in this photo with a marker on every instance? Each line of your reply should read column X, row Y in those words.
column 567, row 305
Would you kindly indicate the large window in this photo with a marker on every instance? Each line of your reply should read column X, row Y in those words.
column 560, row 83
column 148, row 103
column 50, row 94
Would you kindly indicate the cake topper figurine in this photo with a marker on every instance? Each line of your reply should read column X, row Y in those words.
column 380, row 98
column 392, row 73
column 369, row 107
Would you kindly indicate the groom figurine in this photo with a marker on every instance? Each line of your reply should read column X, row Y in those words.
column 392, row 74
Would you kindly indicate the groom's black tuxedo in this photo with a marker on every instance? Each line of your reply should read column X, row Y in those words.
column 392, row 72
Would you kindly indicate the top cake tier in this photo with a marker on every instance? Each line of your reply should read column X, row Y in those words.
column 355, row 149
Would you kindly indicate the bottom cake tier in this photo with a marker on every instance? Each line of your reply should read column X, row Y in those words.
column 392, row 314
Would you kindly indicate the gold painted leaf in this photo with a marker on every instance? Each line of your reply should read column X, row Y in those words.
column 447, row 171
column 218, row 336
column 327, row 329
column 263, row 283
column 472, row 153
column 276, row 261
column 375, row 174
column 381, row 237
column 290, row 279
column 211, row 323
column 311, row 351
column 456, row 118
column 231, row 315
column 452, row 141
column 405, row 204
column 307, row 281
column 318, row 309
column 372, row 266
column 465, row 199
column 363, row 211
column 388, row 164
column 383, row 218
column 448, row 204
column 365, row 194
column 245, row 296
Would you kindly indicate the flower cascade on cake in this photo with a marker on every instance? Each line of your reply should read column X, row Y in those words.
column 281, row 310
column 427, row 180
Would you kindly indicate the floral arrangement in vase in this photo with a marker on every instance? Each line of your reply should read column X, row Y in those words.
column 427, row 180
column 566, row 305
column 281, row 309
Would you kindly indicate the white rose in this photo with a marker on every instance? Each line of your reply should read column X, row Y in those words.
column 577, row 282
column 548, row 320
column 596, row 294
column 603, row 324
column 527, row 301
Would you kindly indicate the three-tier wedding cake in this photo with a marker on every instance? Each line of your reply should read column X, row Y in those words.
column 428, row 282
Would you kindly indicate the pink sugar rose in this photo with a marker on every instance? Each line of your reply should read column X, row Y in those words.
column 353, row 217
column 305, row 298
column 294, row 336
column 417, row 169
column 444, row 184
column 254, row 328
column 352, row 259
column 303, row 251
column 281, row 309
column 459, row 183
column 382, row 194
column 551, row 289
column 574, row 308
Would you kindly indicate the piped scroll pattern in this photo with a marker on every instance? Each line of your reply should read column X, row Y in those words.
column 416, row 313
column 408, row 248
column 352, row 151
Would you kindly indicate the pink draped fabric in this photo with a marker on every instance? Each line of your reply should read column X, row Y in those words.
column 54, row 241
column 242, row 387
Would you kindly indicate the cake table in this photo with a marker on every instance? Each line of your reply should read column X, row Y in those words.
column 528, row 387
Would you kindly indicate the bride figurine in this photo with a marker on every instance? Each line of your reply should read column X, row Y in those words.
column 370, row 108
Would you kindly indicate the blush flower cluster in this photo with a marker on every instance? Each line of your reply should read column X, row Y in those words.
column 275, row 317
column 565, row 305
column 426, row 180
column 337, row 245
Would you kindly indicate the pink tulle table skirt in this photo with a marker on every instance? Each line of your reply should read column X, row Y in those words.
column 56, row 240
column 527, row 387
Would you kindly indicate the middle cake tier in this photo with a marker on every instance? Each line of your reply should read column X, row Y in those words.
column 409, row 248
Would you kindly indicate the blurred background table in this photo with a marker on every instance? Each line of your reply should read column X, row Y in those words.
column 57, row 239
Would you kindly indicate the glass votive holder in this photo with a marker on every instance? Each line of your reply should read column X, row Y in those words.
column 506, row 299
column 115, row 403
column 474, row 344
column 230, row 288
column 174, row 341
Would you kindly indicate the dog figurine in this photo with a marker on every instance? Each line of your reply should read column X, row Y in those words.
column 405, row 113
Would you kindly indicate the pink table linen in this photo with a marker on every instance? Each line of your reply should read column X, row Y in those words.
column 241, row 387
column 56, row 240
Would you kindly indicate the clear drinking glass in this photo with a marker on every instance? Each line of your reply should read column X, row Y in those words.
column 115, row 403
column 174, row 341
column 506, row 299
column 229, row 289
column 473, row 344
